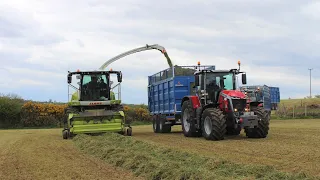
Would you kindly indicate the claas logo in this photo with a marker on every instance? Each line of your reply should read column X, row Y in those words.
column 95, row 103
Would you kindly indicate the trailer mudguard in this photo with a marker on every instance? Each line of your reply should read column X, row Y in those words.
column 194, row 100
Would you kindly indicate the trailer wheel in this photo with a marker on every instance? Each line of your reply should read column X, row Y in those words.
column 156, row 124
column 261, row 131
column 163, row 127
column 214, row 125
column 188, row 122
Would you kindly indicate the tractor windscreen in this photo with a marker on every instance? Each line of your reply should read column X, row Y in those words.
column 95, row 87
column 220, row 81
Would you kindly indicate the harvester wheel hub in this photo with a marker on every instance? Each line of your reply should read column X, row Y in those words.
column 185, row 119
column 207, row 125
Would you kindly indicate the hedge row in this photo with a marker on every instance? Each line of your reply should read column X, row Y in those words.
column 14, row 112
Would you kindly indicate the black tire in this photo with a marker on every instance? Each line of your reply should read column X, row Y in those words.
column 129, row 131
column 155, row 124
column 261, row 131
column 188, row 120
column 233, row 131
column 65, row 134
column 163, row 127
column 213, row 124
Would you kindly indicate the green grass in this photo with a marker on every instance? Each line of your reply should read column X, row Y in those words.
column 299, row 102
column 158, row 162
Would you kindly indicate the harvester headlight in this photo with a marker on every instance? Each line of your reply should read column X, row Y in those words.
column 246, row 109
column 235, row 110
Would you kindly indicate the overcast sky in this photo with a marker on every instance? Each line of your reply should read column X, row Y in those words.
column 276, row 41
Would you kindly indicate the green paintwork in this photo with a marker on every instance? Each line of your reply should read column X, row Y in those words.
column 90, row 125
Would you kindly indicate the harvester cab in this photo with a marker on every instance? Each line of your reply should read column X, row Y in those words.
column 218, row 108
column 93, row 107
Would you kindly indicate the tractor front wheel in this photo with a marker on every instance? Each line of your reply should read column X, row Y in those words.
column 188, row 120
column 261, row 131
column 213, row 124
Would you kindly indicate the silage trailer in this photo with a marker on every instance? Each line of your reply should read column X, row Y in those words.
column 165, row 92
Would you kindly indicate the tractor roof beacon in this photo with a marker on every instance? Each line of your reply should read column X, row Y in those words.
column 93, row 108
column 218, row 108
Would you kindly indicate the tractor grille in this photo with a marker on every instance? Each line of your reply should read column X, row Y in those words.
column 239, row 104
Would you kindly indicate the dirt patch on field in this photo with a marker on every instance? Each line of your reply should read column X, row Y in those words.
column 43, row 154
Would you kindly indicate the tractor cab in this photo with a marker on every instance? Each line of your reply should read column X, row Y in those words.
column 210, row 83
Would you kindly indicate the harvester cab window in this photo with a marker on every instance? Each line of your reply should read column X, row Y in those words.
column 94, row 87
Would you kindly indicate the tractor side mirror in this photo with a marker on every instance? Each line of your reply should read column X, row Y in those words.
column 69, row 79
column 119, row 76
column 78, row 76
column 196, row 80
column 244, row 78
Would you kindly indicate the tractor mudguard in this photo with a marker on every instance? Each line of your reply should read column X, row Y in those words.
column 194, row 100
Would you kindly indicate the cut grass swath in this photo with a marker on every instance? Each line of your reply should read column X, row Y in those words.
column 155, row 162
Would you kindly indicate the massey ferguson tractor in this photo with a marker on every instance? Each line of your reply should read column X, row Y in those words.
column 218, row 109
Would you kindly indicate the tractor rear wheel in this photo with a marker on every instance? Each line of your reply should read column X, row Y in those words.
column 213, row 124
column 188, row 120
column 261, row 131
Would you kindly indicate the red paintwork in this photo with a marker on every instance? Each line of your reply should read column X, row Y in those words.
column 234, row 93
column 260, row 105
column 224, row 103
column 195, row 101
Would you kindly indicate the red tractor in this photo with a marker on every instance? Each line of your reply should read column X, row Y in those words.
column 218, row 109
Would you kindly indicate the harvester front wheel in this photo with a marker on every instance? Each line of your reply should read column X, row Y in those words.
column 188, row 120
column 213, row 124
column 261, row 131
column 129, row 131
column 65, row 134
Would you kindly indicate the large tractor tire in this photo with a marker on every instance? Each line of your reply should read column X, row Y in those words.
column 261, row 131
column 233, row 131
column 213, row 124
column 188, row 120
column 163, row 127
column 156, row 124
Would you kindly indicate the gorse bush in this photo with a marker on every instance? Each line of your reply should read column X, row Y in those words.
column 42, row 114
column 14, row 111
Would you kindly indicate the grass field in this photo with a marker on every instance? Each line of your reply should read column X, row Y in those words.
column 292, row 147
column 43, row 154
column 299, row 102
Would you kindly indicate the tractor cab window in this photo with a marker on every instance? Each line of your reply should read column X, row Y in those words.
column 215, row 82
column 95, row 87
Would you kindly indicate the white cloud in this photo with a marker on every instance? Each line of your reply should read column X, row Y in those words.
column 57, row 36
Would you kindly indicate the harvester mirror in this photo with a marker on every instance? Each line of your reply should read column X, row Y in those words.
column 244, row 79
column 196, row 80
column 69, row 79
column 78, row 76
column 119, row 76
